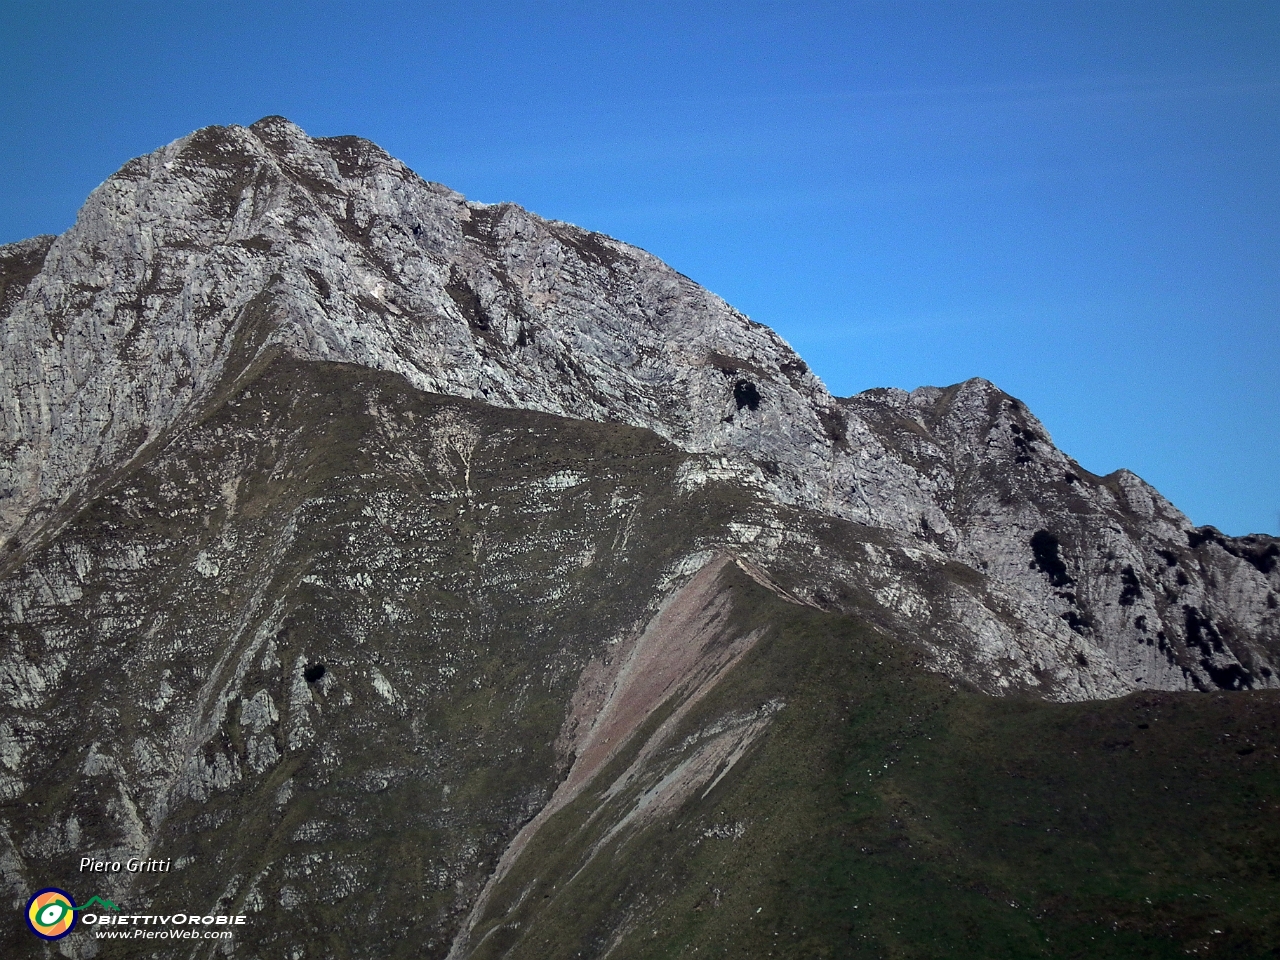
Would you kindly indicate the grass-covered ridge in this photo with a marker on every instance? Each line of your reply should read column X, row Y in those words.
column 887, row 813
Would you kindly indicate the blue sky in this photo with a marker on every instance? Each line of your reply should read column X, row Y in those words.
column 1077, row 201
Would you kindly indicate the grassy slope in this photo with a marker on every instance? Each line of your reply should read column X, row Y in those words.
column 888, row 814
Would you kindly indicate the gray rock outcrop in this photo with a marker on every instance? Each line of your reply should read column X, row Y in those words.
column 193, row 266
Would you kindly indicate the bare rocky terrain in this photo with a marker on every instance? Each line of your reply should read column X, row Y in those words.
column 390, row 562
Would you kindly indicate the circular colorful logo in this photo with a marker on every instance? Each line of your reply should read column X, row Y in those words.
column 51, row 913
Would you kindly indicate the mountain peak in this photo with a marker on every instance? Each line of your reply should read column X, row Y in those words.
column 194, row 266
column 276, row 125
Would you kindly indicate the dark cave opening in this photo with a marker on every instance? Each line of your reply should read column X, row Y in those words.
column 1044, row 547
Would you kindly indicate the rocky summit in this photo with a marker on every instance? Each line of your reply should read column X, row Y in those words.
column 419, row 577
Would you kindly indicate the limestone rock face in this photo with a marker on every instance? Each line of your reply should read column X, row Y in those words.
column 263, row 239
column 1105, row 564
column 192, row 267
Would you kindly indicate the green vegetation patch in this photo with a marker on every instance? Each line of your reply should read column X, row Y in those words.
column 887, row 813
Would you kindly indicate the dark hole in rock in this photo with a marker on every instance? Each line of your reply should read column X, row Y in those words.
column 1262, row 556
column 1079, row 624
column 1266, row 561
column 1144, row 726
column 1044, row 546
column 746, row 395
column 313, row 672
column 1245, row 751
column 796, row 367
column 1141, row 623
column 1170, row 558
column 1131, row 590
column 1201, row 632
column 1231, row 677
column 1203, row 535
column 1071, row 478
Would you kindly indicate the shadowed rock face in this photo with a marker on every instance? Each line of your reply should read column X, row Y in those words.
column 354, row 531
